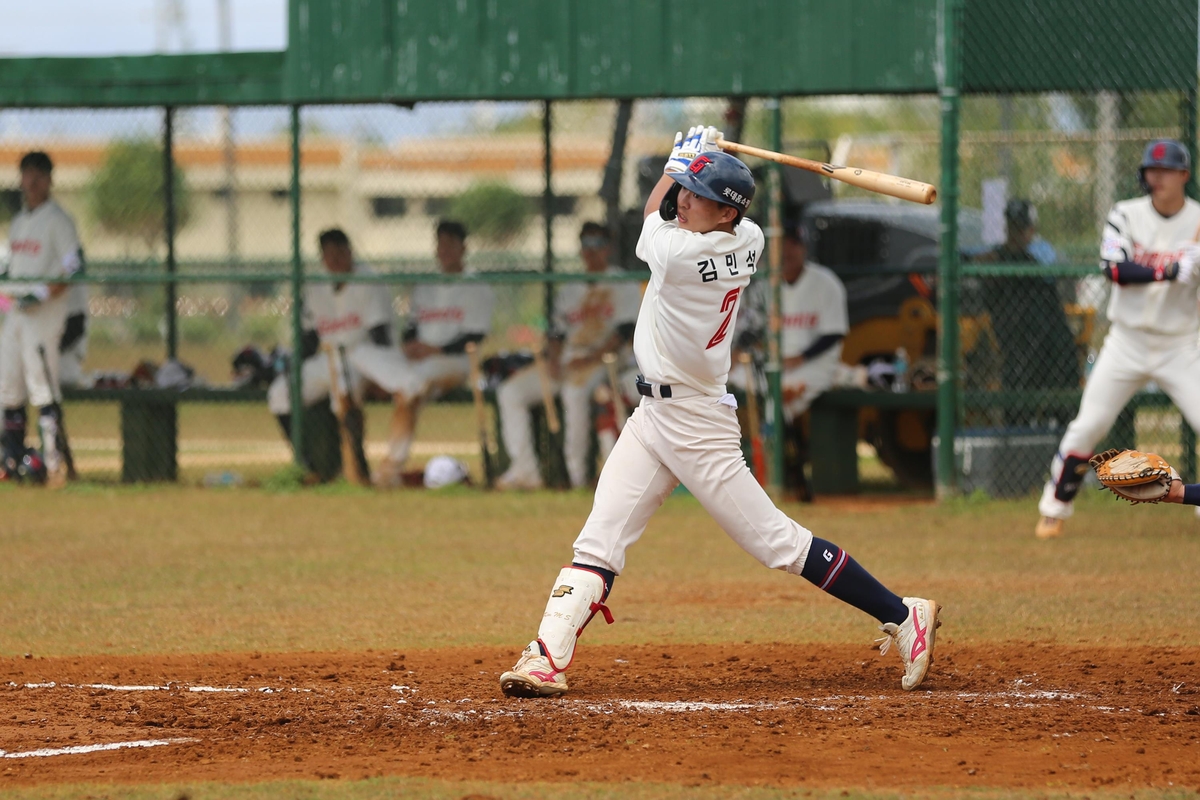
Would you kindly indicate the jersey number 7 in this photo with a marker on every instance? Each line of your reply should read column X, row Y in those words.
column 728, row 306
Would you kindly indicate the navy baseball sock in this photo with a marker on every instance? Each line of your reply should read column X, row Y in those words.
column 831, row 569
column 1070, row 479
column 12, row 440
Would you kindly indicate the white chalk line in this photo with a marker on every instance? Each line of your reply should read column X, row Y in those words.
column 80, row 749
column 113, row 687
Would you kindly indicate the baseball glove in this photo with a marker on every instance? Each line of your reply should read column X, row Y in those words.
column 1133, row 475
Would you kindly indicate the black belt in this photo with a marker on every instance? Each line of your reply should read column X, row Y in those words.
column 646, row 389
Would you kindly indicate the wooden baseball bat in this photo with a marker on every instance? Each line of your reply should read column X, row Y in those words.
column 879, row 182
column 341, row 407
column 547, row 395
column 476, row 378
column 757, row 453
column 62, row 441
column 614, row 382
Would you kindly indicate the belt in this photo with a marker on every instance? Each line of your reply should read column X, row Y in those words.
column 663, row 391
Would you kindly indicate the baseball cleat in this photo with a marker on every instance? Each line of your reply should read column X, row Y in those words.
column 1048, row 528
column 914, row 639
column 533, row 676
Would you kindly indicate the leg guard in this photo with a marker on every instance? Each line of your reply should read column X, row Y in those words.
column 48, row 424
column 577, row 595
column 12, row 441
column 356, row 424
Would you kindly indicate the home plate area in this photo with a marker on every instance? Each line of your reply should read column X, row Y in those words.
column 1015, row 715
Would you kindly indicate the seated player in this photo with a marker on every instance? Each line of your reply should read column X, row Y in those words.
column 590, row 319
column 815, row 320
column 443, row 318
column 355, row 321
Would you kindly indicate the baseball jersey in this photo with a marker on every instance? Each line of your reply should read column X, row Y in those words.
column 685, row 324
column 812, row 307
column 343, row 318
column 443, row 312
column 1136, row 232
column 587, row 314
column 43, row 243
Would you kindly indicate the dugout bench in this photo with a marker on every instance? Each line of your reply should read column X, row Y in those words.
column 834, row 425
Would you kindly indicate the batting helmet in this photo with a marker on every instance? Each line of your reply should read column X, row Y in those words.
column 719, row 177
column 1164, row 154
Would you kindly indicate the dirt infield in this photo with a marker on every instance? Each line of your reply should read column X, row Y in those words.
column 997, row 716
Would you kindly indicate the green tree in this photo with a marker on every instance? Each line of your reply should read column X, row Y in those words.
column 126, row 195
column 492, row 210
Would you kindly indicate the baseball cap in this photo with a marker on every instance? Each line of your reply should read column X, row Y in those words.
column 444, row 471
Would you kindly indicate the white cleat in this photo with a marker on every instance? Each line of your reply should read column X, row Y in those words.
column 914, row 639
column 533, row 676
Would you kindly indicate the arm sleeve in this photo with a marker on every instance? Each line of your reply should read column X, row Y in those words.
column 1126, row 273
column 1191, row 494
column 823, row 343
column 381, row 334
column 310, row 343
column 458, row 344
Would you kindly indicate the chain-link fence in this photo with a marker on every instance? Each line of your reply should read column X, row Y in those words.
column 1045, row 167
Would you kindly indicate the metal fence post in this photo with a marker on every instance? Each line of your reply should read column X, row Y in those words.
column 169, row 227
column 548, row 206
column 949, row 78
column 775, row 262
column 295, row 382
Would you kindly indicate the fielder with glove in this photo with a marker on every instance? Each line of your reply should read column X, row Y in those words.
column 1143, row 478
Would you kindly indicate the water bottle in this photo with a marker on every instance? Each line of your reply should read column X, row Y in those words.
column 900, row 366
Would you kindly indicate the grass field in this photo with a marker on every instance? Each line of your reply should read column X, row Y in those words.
column 123, row 584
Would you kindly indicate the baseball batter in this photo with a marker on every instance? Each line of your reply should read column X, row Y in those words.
column 443, row 318
column 1149, row 253
column 355, row 319
column 590, row 319
column 44, row 248
column 702, row 253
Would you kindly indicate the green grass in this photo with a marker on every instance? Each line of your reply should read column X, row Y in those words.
column 98, row 569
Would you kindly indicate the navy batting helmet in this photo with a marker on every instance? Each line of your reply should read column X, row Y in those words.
column 1164, row 154
column 719, row 177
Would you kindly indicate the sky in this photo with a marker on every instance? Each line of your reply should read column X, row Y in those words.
column 135, row 27
column 131, row 27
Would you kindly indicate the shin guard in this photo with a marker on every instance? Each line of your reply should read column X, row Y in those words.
column 577, row 595
column 1067, row 473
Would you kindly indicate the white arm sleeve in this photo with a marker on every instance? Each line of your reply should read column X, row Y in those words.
column 1115, row 244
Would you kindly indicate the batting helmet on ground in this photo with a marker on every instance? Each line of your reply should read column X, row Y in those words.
column 719, row 177
column 1163, row 154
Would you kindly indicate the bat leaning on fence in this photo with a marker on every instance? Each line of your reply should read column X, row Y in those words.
column 62, row 441
column 342, row 409
column 758, row 457
column 485, row 450
column 552, row 422
column 614, row 383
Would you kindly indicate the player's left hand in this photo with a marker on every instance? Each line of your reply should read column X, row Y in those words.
column 686, row 148
column 1189, row 264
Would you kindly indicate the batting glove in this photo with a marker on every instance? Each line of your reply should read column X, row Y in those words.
column 1188, row 264
column 708, row 141
column 686, row 148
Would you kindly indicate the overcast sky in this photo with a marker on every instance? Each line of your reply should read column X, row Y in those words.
column 133, row 27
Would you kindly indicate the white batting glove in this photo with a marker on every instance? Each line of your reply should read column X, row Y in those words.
column 708, row 142
column 1189, row 264
column 686, row 148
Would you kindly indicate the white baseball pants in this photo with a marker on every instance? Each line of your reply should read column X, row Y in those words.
column 22, row 376
column 522, row 390
column 1127, row 361
column 695, row 440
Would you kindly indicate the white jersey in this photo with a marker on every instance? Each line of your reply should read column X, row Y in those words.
column 43, row 243
column 343, row 318
column 812, row 307
column 685, row 325
column 1136, row 232
column 587, row 314
column 443, row 312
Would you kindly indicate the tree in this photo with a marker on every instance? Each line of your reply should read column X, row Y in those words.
column 126, row 195
column 492, row 210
